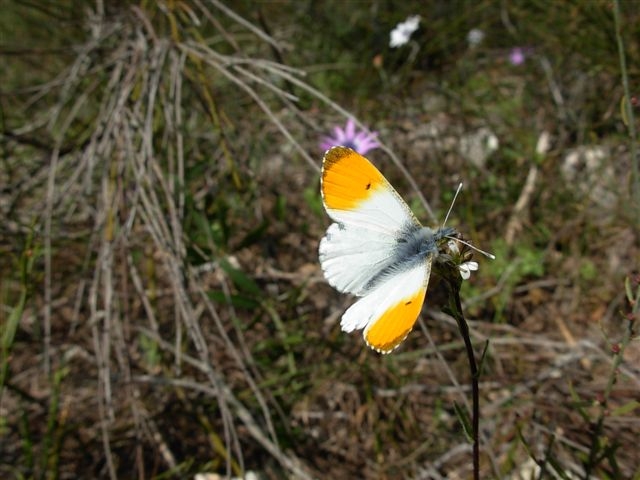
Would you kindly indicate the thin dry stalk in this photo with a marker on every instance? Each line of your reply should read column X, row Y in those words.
column 142, row 178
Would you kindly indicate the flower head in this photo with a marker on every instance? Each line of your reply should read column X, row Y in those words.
column 462, row 259
column 517, row 56
column 360, row 141
column 403, row 31
column 466, row 268
column 475, row 37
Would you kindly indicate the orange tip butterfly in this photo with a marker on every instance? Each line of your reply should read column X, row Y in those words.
column 376, row 249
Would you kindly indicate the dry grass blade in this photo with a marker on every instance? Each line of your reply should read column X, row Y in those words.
column 137, row 175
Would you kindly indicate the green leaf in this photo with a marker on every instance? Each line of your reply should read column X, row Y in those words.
column 626, row 409
column 465, row 421
column 578, row 404
column 627, row 288
column 314, row 201
column 242, row 282
column 482, row 358
column 254, row 235
column 239, row 301
column 624, row 113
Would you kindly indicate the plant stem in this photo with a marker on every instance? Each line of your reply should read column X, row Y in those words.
column 455, row 310
column 628, row 110
column 596, row 448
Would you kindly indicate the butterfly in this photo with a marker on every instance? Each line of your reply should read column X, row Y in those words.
column 376, row 249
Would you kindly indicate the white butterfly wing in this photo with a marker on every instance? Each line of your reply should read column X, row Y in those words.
column 350, row 257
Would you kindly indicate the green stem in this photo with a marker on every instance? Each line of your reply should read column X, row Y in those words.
column 596, row 449
column 631, row 125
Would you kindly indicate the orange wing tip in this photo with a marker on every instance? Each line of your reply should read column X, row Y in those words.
column 388, row 347
column 337, row 150
column 348, row 179
column 335, row 155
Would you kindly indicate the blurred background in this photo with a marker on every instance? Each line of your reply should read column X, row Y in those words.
column 162, row 310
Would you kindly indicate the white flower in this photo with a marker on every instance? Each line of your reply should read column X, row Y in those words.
column 544, row 143
column 466, row 268
column 401, row 34
column 475, row 37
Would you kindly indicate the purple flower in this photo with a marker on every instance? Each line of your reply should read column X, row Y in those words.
column 360, row 141
column 517, row 56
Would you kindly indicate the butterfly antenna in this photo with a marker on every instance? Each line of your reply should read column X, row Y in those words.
column 451, row 206
column 487, row 254
column 473, row 247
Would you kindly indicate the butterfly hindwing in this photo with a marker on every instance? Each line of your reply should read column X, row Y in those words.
column 389, row 312
column 351, row 257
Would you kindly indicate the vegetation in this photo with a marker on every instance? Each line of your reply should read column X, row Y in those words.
column 163, row 312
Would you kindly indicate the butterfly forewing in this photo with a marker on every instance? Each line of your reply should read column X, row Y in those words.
column 356, row 194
